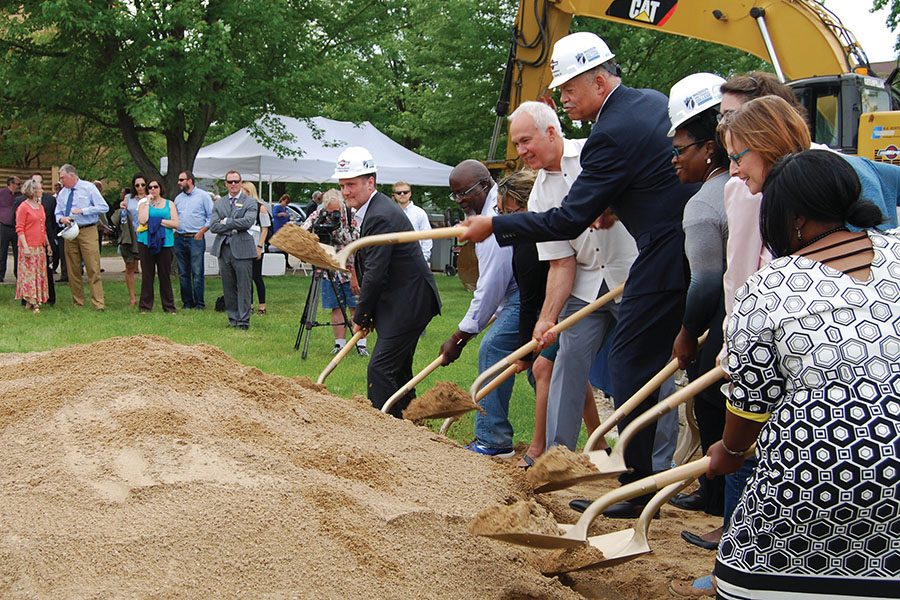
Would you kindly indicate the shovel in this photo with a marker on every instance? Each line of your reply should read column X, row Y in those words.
column 351, row 343
column 577, row 534
column 329, row 259
column 507, row 366
column 621, row 546
column 689, row 440
column 411, row 384
column 609, row 465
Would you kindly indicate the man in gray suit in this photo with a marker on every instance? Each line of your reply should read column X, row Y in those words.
column 233, row 215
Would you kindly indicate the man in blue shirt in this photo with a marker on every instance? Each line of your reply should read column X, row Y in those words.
column 80, row 202
column 195, row 208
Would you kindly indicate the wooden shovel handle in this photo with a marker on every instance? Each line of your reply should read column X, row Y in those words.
column 398, row 237
column 351, row 343
column 495, row 382
column 632, row 403
column 411, row 383
column 528, row 348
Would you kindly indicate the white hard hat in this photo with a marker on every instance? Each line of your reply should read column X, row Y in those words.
column 70, row 232
column 575, row 54
column 353, row 162
column 691, row 96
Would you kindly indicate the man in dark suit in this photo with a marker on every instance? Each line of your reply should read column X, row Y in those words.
column 398, row 295
column 232, row 217
column 626, row 165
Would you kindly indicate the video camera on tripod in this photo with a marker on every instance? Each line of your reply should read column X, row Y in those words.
column 325, row 226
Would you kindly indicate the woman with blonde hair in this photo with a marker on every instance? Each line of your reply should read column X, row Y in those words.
column 259, row 232
column 34, row 247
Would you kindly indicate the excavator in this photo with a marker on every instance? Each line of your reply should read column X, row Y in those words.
column 848, row 108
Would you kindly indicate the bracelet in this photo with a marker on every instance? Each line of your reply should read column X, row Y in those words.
column 734, row 453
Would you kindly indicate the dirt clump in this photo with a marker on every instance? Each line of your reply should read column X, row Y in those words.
column 445, row 399
column 559, row 464
column 304, row 245
column 523, row 516
column 181, row 473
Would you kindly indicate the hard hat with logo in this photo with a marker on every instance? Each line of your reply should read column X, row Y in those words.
column 70, row 232
column 691, row 96
column 575, row 54
column 353, row 162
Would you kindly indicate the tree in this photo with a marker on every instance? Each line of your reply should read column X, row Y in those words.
column 169, row 69
column 893, row 18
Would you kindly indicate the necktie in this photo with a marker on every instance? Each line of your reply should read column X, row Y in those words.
column 233, row 202
column 69, row 201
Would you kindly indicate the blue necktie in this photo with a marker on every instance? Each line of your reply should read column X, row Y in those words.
column 69, row 202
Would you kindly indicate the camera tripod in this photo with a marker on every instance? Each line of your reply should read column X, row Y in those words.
column 310, row 309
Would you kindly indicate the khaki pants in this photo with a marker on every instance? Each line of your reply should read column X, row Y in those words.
column 85, row 248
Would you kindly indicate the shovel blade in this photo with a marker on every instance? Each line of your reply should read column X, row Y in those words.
column 538, row 540
column 617, row 547
column 608, row 465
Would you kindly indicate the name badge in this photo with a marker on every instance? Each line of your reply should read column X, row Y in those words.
column 239, row 206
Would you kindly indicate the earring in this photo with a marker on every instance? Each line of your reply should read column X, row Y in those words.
column 799, row 235
column 708, row 160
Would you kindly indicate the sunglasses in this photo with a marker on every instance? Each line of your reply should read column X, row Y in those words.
column 137, row 185
column 461, row 195
column 401, row 192
column 736, row 158
column 182, row 179
column 153, row 187
column 232, row 181
column 679, row 150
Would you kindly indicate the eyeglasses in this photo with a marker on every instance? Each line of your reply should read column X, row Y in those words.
column 153, row 186
column 736, row 158
column 182, row 179
column 232, row 181
column 460, row 195
column 401, row 192
column 137, row 185
column 679, row 150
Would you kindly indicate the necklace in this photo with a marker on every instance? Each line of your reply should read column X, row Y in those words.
column 713, row 173
column 822, row 236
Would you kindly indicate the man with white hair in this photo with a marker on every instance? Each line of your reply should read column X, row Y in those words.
column 581, row 269
column 80, row 202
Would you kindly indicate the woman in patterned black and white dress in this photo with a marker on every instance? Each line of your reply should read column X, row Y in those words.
column 814, row 353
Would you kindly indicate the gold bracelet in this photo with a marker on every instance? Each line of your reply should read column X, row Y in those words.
column 734, row 453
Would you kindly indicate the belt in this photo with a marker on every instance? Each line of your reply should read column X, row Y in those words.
column 86, row 226
column 186, row 234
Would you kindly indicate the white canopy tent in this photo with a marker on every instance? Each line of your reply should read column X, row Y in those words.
column 319, row 143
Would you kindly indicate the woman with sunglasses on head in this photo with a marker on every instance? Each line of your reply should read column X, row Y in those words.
column 260, row 232
column 811, row 350
column 699, row 158
column 157, row 222
column 127, row 218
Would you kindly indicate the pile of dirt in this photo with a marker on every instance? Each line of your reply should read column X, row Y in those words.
column 566, row 560
column 523, row 516
column 177, row 472
column 559, row 466
column 445, row 399
column 304, row 245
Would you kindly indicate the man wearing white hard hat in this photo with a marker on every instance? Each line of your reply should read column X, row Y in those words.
column 397, row 292
column 626, row 165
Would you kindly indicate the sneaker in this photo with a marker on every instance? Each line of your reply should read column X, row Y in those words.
column 362, row 351
column 336, row 349
column 480, row 448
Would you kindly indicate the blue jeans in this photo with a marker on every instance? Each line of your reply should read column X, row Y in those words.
column 189, row 253
column 493, row 429
column 734, row 487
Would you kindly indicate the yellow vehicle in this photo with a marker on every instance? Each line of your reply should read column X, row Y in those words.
column 848, row 107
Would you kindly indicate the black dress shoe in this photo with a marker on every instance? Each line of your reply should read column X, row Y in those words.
column 696, row 540
column 620, row 510
column 694, row 501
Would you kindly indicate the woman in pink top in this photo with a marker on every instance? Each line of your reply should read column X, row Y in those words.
column 34, row 247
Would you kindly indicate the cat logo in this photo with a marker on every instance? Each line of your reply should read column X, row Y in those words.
column 652, row 12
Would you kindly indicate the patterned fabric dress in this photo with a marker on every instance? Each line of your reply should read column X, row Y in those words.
column 32, row 284
column 818, row 353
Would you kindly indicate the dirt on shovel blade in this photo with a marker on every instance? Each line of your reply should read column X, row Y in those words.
column 304, row 245
column 560, row 464
column 445, row 399
column 524, row 516
column 570, row 559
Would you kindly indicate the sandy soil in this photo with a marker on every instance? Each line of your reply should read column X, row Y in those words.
column 183, row 474
column 444, row 399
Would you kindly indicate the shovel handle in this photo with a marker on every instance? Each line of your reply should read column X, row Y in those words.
column 495, row 382
column 633, row 402
column 399, row 237
column 558, row 328
column 411, row 383
column 351, row 343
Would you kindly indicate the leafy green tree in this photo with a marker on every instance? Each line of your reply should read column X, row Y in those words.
column 893, row 19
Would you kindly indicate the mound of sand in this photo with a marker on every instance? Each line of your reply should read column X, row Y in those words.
column 523, row 516
column 445, row 399
column 558, row 466
column 135, row 467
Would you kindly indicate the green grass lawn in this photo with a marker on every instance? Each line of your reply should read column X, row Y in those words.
column 268, row 345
